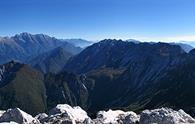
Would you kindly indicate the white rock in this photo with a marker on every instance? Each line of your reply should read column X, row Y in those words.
column 165, row 116
column 116, row 117
column 75, row 114
column 18, row 116
column 1, row 112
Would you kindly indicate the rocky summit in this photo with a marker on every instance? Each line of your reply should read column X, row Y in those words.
column 65, row 114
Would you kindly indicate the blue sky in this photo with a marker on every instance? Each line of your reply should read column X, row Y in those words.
column 165, row 20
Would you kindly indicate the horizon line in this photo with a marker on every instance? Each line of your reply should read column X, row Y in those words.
column 168, row 39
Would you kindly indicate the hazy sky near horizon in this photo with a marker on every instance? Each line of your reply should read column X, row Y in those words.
column 149, row 20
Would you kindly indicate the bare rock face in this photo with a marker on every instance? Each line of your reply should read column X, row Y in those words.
column 116, row 117
column 17, row 116
column 165, row 116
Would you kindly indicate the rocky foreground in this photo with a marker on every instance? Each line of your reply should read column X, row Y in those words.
column 65, row 114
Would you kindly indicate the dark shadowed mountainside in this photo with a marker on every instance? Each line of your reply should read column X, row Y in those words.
column 52, row 61
column 22, row 86
column 129, row 75
column 67, row 88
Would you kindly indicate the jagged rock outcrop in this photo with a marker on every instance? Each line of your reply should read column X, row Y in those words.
column 1, row 112
column 18, row 116
column 65, row 114
column 165, row 116
column 116, row 117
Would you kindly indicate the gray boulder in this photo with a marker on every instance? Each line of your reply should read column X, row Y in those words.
column 65, row 114
column 116, row 117
column 165, row 116
column 18, row 116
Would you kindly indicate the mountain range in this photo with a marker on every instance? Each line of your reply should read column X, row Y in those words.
column 107, row 74
column 126, row 72
column 25, row 46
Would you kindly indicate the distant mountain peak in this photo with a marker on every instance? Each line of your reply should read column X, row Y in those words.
column 28, row 36
column 133, row 40
column 25, row 33
column 24, row 46
column 186, row 47
column 79, row 42
column 110, row 40
column 118, row 53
